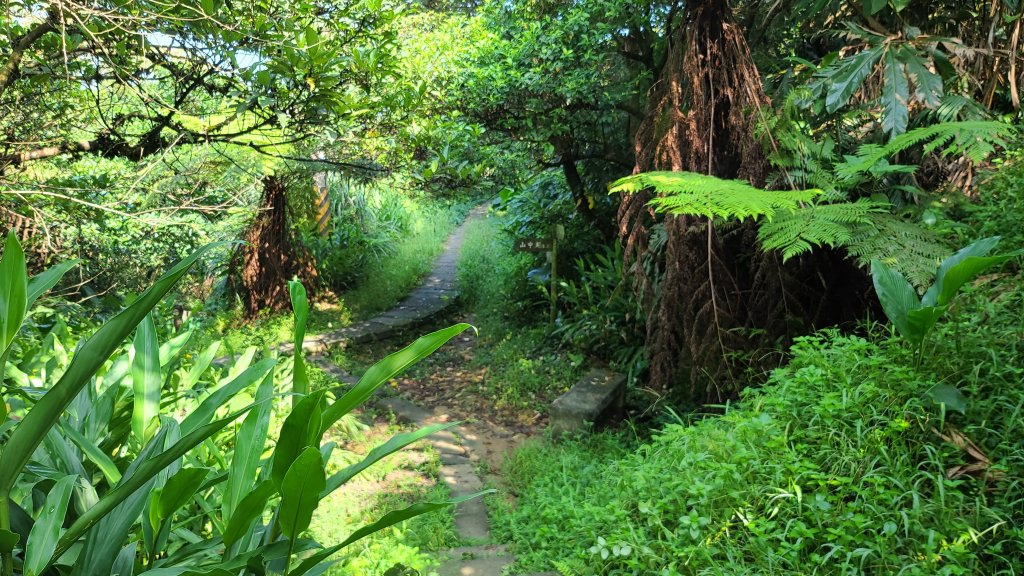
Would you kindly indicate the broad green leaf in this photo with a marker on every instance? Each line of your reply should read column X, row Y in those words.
column 247, row 511
column 965, row 271
column 259, row 556
column 899, row 5
column 895, row 96
column 249, row 442
column 146, row 470
column 845, row 77
column 209, row 406
column 922, row 320
column 146, row 380
column 950, row 396
column 41, row 283
column 124, row 564
column 963, row 267
column 872, row 7
column 242, row 363
column 300, row 492
column 386, row 369
column 13, row 291
column 300, row 308
column 89, row 358
column 103, row 541
column 393, row 445
column 389, row 519
column 8, row 540
column 169, row 350
column 93, row 453
column 301, row 428
column 42, row 540
column 898, row 298
column 943, row 65
column 184, row 571
column 199, row 367
column 928, row 86
column 176, row 493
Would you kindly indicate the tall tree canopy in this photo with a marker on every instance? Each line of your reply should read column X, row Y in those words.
column 130, row 79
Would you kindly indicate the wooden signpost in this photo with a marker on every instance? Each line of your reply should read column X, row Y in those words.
column 549, row 245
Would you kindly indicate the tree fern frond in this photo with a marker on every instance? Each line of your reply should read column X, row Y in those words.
column 817, row 225
column 910, row 249
column 955, row 107
column 701, row 195
column 975, row 139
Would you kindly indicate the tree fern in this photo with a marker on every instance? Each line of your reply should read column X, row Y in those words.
column 701, row 195
column 902, row 245
column 973, row 139
column 794, row 225
column 818, row 225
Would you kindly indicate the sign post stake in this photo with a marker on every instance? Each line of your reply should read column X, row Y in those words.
column 557, row 233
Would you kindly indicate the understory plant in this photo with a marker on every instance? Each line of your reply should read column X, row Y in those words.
column 915, row 317
column 836, row 466
column 135, row 459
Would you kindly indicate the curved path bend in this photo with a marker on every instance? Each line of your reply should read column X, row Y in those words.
column 459, row 448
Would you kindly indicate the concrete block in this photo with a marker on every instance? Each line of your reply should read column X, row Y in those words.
column 597, row 398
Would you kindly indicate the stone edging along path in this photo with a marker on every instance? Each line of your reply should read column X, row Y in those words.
column 435, row 294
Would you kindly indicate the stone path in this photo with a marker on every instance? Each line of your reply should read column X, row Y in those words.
column 435, row 294
column 459, row 448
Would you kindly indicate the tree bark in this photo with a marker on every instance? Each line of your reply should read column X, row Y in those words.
column 9, row 70
column 262, row 267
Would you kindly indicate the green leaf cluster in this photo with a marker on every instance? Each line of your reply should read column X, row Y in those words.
column 915, row 317
column 142, row 446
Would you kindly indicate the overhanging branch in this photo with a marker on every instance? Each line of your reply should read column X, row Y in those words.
column 9, row 71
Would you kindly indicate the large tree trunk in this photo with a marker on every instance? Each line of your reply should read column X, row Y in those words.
column 711, row 297
column 262, row 267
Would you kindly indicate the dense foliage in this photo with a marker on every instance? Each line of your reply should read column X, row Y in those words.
column 840, row 464
column 742, row 191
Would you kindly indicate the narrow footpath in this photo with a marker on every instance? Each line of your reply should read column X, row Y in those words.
column 459, row 448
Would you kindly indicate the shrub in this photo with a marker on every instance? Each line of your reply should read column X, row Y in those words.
column 839, row 465
column 602, row 317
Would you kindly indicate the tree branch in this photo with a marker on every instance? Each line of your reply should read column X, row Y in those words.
column 9, row 71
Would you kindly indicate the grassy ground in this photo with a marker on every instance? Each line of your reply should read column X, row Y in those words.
column 396, row 482
column 839, row 465
column 384, row 285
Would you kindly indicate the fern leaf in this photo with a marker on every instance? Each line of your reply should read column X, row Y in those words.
column 975, row 139
column 817, row 225
column 902, row 245
column 701, row 195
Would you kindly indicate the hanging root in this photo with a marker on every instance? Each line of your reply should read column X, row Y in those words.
column 261, row 268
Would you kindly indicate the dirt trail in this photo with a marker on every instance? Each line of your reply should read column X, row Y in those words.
column 447, row 390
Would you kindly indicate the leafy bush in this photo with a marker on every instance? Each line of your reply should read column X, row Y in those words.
column 839, row 465
column 601, row 316
column 363, row 224
column 120, row 458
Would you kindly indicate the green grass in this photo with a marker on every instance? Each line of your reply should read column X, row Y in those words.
column 391, row 279
column 396, row 482
column 835, row 466
column 526, row 368
column 492, row 277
